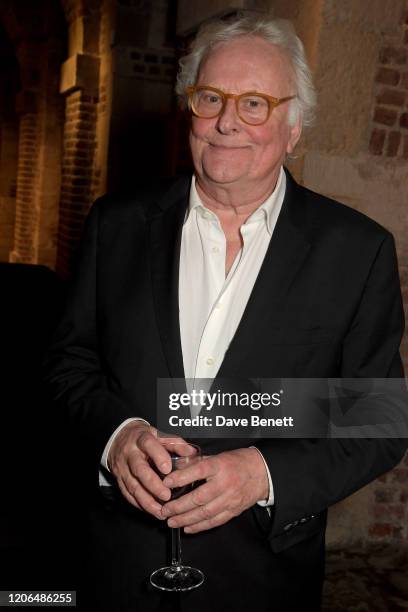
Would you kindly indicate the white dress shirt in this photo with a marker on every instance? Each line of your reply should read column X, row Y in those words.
column 212, row 304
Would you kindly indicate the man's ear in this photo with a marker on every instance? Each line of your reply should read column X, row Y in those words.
column 295, row 132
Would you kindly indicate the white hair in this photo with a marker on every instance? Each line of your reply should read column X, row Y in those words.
column 278, row 32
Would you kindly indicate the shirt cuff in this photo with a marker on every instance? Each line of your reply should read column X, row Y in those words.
column 104, row 458
column 271, row 498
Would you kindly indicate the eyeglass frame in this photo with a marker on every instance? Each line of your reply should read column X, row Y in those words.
column 273, row 102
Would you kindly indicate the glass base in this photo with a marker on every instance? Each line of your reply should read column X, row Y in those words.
column 177, row 578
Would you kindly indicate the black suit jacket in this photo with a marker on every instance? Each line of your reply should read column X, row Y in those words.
column 326, row 303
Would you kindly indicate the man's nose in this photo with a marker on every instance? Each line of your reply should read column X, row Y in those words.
column 228, row 119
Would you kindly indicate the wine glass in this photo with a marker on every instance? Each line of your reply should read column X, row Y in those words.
column 176, row 576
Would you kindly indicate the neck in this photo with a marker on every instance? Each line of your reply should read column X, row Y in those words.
column 234, row 198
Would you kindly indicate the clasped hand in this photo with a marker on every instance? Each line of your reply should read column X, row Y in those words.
column 233, row 480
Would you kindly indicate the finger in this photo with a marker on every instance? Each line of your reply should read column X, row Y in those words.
column 153, row 448
column 140, row 469
column 200, row 513
column 210, row 523
column 142, row 497
column 129, row 498
column 178, row 446
column 199, row 470
column 200, row 496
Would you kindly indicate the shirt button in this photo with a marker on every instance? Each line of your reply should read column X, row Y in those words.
column 210, row 361
column 215, row 249
column 207, row 215
column 218, row 305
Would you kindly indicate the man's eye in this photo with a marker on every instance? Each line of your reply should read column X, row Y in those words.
column 254, row 104
column 211, row 99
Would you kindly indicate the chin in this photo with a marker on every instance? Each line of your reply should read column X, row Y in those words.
column 223, row 177
column 224, row 172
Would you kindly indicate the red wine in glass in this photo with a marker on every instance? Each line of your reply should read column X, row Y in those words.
column 176, row 576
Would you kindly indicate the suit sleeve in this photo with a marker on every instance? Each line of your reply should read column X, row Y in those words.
column 309, row 475
column 73, row 373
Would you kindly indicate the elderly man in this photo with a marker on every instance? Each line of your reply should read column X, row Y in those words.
column 236, row 271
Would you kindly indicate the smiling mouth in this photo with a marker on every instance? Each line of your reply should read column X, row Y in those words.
column 226, row 147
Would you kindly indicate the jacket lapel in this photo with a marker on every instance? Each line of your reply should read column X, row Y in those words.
column 166, row 223
column 287, row 251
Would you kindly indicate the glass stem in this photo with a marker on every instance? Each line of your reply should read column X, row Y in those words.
column 175, row 547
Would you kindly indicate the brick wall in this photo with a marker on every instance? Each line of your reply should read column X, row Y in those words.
column 143, row 119
column 389, row 133
column 79, row 145
column 36, row 43
column 389, row 129
column 389, row 512
column 83, row 146
column 26, row 183
column 118, row 75
column 104, row 105
column 389, row 140
column 153, row 64
column 8, row 185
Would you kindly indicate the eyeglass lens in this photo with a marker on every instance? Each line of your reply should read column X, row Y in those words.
column 251, row 108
